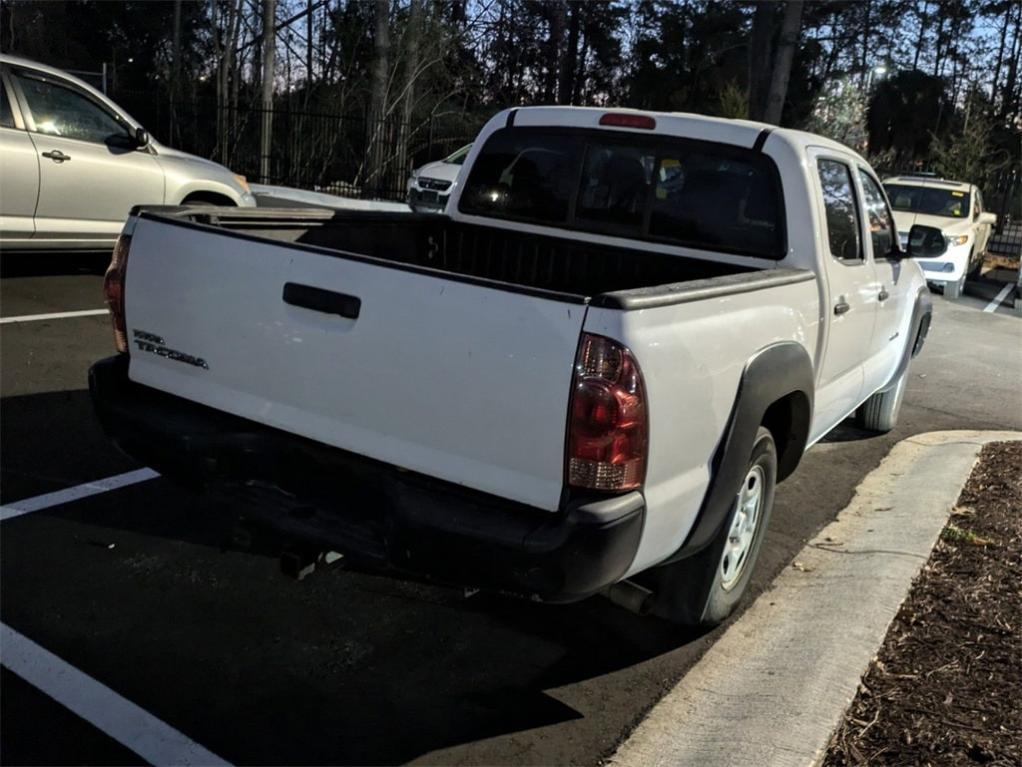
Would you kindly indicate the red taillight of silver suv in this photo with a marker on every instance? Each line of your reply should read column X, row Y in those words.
column 608, row 426
column 113, row 289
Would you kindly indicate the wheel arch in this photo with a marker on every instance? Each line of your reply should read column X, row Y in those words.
column 208, row 197
column 918, row 327
column 775, row 391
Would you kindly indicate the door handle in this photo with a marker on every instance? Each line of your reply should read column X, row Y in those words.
column 57, row 156
column 841, row 307
column 884, row 295
column 320, row 300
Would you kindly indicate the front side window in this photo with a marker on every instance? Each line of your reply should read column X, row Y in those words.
column 840, row 209
column 881, row 222
column 931, row 200
column 679, row 191
column 60, row 111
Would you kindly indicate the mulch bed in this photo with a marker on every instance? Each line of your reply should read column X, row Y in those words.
column 946, row 687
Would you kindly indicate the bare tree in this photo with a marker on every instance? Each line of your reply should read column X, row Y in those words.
column 569, row 64
column 269, row 48
column 760, row 58
column 555, row 42
column 378, row 97
column 412, row 35
column 782, row 61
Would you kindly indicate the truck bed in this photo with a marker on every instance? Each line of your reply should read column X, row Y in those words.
column 559, row 265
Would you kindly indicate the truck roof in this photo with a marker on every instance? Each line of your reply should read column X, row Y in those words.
column 684, row 124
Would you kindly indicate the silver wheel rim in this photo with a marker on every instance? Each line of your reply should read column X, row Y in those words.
column 742, row 533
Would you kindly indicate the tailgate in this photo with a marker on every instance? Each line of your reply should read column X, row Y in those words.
column 461, row 381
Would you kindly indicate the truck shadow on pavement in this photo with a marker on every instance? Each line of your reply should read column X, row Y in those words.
column 134, row 588
column 847, row 431
column 46, row 264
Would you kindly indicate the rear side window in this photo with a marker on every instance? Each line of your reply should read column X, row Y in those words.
column 679, row 191
column 841, row 210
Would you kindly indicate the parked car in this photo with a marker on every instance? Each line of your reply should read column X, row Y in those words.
column 73, row 164
column 430, row 187
column 954, row 207
column 586, row 377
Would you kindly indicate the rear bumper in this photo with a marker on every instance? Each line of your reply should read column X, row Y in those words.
column 372, row 512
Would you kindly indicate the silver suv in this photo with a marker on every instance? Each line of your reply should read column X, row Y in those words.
column 73, row 163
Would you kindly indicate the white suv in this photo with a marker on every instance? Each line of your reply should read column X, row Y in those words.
column 430, row 187
column 954, row 207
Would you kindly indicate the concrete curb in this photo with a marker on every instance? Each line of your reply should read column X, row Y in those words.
column 773, row 688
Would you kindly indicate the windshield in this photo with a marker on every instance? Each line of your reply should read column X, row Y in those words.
column 933, row 201
column 458, row 158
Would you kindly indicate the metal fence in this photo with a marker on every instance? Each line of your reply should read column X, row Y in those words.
column 345, row 154
column 1002, row 193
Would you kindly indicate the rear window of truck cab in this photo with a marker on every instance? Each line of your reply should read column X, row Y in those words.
column 697, row 194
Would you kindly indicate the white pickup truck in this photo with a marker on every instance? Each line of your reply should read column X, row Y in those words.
column 587, row 377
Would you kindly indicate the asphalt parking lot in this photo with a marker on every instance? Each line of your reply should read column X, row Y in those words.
column 138, row 589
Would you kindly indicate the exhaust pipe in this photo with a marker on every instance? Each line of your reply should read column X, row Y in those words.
column 631, row 596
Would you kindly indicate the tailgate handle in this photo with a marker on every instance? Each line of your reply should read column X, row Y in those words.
column 319, row 300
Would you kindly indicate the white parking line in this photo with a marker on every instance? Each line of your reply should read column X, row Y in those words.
column 53, row 316
column 992, row 306
column 39, row 502
column 152, row 739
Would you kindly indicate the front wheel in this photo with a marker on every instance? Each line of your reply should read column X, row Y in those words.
column 704, row 589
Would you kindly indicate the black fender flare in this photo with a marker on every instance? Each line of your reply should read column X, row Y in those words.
column 774, row 373
column 918, row 327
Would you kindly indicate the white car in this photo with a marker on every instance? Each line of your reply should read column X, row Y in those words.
column 954, row 207
column 73, row 164
column 586, row 376
column 430, row 187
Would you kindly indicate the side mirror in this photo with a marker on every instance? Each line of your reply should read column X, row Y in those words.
column 925, row 242
column 141, row 137
column 988, row 218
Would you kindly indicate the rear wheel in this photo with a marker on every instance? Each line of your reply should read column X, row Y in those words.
column 704, row 589
column 880, row 412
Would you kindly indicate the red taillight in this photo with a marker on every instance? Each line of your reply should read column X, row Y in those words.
column 113, row 289
column 628, row 120
column 608, row 426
